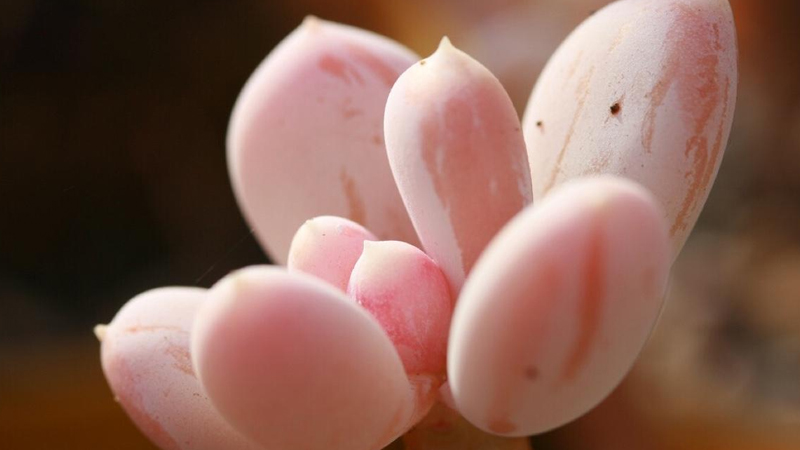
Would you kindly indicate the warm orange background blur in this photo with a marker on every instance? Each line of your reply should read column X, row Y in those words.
column 113, row 181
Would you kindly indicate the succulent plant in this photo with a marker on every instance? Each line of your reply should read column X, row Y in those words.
column 441, row 284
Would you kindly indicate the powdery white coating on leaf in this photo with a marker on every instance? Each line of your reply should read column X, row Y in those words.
column 643, row 89
column 306, row 136
column 558, row 307
column 145, row 356
column 458, row 156
column 328, row 248
column 294, row 364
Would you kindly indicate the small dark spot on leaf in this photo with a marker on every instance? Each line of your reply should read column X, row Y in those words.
column 540, row 124
column 422, row 63
column 531, row 373
column 616, row 108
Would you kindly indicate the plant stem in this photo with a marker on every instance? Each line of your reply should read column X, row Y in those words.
column 445, row 429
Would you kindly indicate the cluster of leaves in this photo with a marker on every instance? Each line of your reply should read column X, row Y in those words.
column 433, row 255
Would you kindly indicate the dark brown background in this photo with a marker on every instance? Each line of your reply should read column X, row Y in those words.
column 113, row 181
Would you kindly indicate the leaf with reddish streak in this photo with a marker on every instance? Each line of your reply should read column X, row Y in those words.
column 306, row 135
column 558, row 307
column 458, row 156
column 642, row 89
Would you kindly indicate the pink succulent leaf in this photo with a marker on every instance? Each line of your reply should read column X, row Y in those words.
column 328, row 248
column 458, row 156
column 306, row 135
column 292, row 363
column 146, row 360
column 409, row 296
column 558, row 307
column 642, row 89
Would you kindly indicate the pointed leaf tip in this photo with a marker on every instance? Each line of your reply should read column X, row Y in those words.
column 445, row 44
column 457, row 155
column 100, row 331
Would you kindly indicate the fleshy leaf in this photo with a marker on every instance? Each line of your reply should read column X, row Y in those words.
column 145, row 356
column 558, row 307
column 306, row 135
column 642, row 89
column 409, row 296
column 328, row 248
column 291, row 362
column 457, row 153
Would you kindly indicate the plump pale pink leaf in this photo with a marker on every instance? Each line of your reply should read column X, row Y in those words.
column 642, row 89
column 328, row 248
column 457, row 153
column 293, row 363
column 145, row 356
column 409, row 296
column 306, row 135
column 558, row 307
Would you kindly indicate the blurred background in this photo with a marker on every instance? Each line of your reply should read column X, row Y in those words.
column 113, row 181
